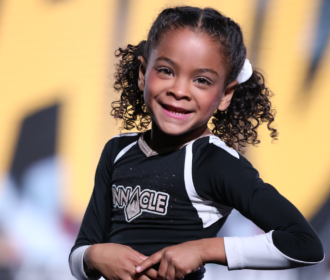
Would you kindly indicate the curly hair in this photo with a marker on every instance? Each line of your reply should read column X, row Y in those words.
column 250, row 105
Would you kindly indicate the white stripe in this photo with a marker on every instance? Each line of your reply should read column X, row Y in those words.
column 205, row 209
column 257, row 252
column 126, row 134
column 218, row 142
column 76, row 263
column 123, row 151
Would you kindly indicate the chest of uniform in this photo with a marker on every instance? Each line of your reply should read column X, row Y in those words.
column 148, row 187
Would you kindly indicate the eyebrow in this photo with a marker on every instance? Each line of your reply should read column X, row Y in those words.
column 200, row 70
column 163, row 58
column 203, row 70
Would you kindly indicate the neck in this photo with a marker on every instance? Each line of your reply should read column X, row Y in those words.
column 159, row 141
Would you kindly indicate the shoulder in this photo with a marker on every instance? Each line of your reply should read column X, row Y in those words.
column 122, row 140
column 119, row 142
column 214, row 150
column 219, row 146
column 224, row 170
column 211, row 156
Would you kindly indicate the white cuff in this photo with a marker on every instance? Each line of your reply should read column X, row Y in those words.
column 76, row 263
column 256, row 252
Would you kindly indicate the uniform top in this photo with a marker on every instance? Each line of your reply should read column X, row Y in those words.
column 149, row 201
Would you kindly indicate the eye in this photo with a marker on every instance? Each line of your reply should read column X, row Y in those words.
column 203, row 81
column 165, row 70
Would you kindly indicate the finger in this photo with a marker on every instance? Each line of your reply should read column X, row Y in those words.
column 179, row 274
column 153, row 259
column 140, row 255
column 141, row 276
column 162, row 269
column 137, row 259
column 149, row 273
column 170, row 273
column 152, row 273
column 143, row 257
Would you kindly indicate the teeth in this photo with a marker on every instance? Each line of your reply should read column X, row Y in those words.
column 176, row 113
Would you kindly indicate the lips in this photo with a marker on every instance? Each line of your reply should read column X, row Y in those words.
column 175, row 110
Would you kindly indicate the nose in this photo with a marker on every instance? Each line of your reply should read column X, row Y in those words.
column 180, row 89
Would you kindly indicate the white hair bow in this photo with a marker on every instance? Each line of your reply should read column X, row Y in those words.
column 246, row 72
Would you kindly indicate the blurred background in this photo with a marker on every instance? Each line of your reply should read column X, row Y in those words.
column 56, row 75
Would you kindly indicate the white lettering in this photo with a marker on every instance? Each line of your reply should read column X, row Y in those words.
column 115, row 195
column 144, row 199
column 134, row 202
column 150, row 206
column 125, row 195
column 161, row 199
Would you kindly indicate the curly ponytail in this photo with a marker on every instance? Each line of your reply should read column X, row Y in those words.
column 250, row 105
column 249, row 108
column 131, row 108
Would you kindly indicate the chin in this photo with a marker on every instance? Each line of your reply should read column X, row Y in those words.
column 174, row 130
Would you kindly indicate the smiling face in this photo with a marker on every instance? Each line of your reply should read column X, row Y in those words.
column 183, row 82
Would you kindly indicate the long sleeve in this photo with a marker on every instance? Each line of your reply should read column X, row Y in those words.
column 289, row 240
column 97, row 216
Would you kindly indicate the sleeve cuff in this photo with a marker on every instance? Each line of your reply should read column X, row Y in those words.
column 255, row 252
column 232, row 253
column 77, row 264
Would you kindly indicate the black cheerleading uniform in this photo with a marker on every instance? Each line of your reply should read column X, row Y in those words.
column 149, row 201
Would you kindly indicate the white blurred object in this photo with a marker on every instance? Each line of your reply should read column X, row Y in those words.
column 245, row 73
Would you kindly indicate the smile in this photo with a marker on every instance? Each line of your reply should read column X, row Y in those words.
column 175, row 112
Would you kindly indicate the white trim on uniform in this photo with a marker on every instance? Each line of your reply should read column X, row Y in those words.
column 125, row 134
column 218, row 142
column 205, row 208
column 124, row 151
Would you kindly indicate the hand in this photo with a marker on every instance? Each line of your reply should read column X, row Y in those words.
column 175, row 261
column 115, row 262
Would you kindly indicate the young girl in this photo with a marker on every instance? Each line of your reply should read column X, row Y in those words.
column 160, row 197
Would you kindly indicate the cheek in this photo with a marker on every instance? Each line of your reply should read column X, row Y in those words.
column 156, row 85
column 216, row 101
column 212, row 102
column 151, row 91
column 148, row 100
column 147, row 91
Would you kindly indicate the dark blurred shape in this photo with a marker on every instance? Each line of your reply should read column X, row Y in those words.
column 321, row 41
column 321, row 223
column 37, row 139
column 5, row 273
column 259, row 21
column 322, row 217
column 121, row 25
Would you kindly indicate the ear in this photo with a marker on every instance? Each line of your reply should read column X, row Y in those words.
column 142, row 72
column 227, row 96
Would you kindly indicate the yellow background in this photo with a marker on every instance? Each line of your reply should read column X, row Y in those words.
column 62, row 52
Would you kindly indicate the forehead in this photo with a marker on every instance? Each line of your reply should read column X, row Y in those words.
column 190, row 49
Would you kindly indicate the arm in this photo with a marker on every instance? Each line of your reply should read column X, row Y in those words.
column 289, row 240
column 96, row 219
column 225, row 179
column 91, row 257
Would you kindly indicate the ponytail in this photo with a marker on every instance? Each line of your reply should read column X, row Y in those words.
column 250, row 107
column 130, row 108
